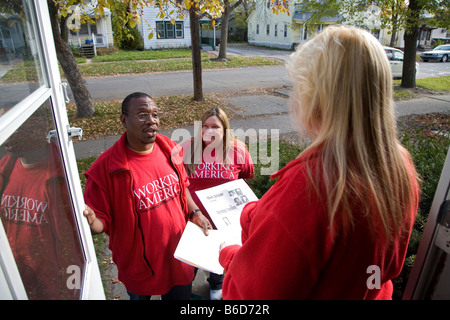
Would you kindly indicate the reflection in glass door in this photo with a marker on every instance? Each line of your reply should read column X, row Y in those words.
column 36, row 210
column 21, row 72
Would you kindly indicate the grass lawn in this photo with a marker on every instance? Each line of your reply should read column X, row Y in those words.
column 135, row 62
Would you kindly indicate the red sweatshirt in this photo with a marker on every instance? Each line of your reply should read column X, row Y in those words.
column 144, row 212
column 209, row 174
column 289, row 253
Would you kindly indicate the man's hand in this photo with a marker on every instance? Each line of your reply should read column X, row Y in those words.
column 199, row 219
column 95, row 224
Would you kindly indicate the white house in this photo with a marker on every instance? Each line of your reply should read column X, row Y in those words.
column 281, row 30
column 100, row 33
column 287, row 31
column 160, row 33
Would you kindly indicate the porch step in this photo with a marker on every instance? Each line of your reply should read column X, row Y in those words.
column 88, row 50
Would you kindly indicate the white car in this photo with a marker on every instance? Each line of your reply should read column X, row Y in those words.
column 395, row 57
column 440, row 53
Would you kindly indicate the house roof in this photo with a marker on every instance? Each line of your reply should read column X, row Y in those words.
column 305, row 16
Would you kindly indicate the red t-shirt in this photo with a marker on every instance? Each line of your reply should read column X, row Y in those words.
column 210, row 173
column 156, row 193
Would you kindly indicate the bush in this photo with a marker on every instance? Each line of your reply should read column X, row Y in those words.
column 106, row 50
column 428, row 149
column 261, row 183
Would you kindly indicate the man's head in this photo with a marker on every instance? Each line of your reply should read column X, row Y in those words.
column 141, row 120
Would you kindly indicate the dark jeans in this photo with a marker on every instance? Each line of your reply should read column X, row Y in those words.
column 215, row 281
column 176, row 293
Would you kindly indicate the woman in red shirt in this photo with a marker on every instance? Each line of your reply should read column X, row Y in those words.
column 337, row 222
column 214, row 157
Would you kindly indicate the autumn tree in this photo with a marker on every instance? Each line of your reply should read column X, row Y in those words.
column 169, row 9
column 229, row 7
column 59, row 14
column 277, row 6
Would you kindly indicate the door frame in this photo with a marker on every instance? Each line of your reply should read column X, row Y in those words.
column 426, row 280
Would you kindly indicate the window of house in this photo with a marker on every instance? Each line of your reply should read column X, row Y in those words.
column 285, row 30
column 268, row 29
column 276, row 30
column 170, row 30
column 160, row 30
column 93, row 28
column 257, row 29
column 85, row 29
column 166, row 30
column 179, row 30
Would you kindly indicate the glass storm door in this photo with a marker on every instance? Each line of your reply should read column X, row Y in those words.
column 46, row 249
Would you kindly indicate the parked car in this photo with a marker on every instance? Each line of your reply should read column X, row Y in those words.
column 395, row 57
column 440, row 53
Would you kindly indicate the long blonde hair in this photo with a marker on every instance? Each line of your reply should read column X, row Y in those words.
column 192, row 156
column 342, row 94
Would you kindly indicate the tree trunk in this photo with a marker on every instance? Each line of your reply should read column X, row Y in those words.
column 224, row 27
column 224, row 32
column 82, row 97
column 196, row 55
column 411, row 33
column 394, row 29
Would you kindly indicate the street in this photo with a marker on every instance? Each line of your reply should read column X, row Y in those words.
column 214, row 81
column 218, row 81
column 426, row 69
column 433, row 69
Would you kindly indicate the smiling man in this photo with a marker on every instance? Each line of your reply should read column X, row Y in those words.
column 136, row 192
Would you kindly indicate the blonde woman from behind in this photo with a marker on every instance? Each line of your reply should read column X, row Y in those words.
column 336, row 224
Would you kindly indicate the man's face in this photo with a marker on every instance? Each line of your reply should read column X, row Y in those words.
column 141, row 123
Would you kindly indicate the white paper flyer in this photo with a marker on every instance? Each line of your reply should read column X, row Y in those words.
column 224, row 204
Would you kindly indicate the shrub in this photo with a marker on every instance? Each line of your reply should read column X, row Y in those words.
column 428, row 149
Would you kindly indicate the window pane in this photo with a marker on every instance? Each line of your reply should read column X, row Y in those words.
column 179, row 29
column 37, row 212
column 169, row 29
column 160, row 30
column 21, row 72
column 93, row 28
column 84, row 29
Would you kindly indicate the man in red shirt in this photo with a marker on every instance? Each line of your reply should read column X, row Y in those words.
column 136, row 192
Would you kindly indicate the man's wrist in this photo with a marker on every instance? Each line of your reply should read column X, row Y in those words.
column 191, row 215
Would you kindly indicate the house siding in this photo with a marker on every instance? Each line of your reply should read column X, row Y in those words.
column 263, row 17
column 148, row 26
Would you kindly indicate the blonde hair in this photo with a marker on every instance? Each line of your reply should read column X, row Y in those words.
column 193, row 155
column 342, row 94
